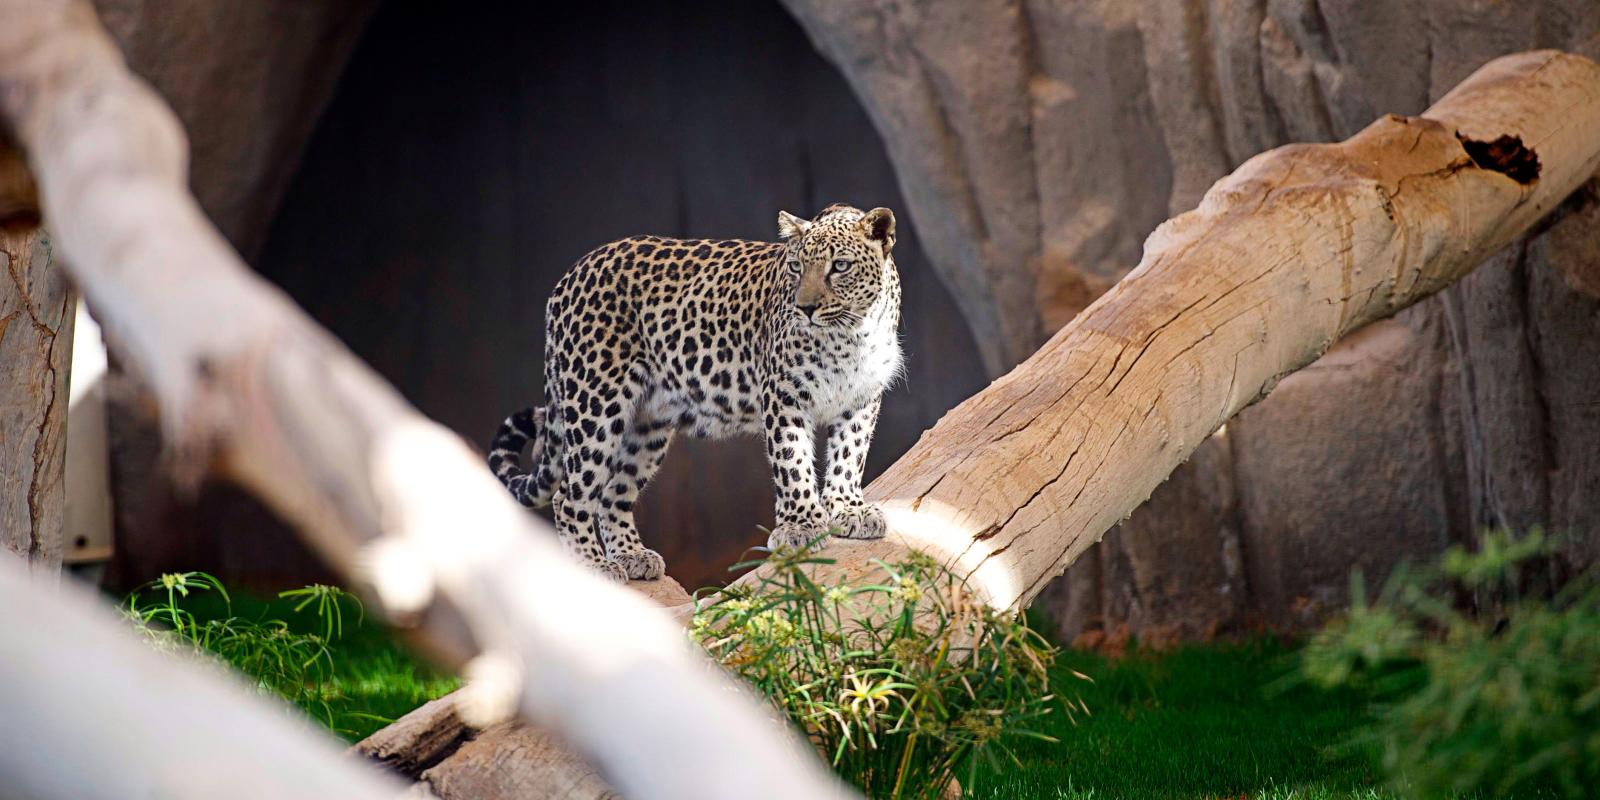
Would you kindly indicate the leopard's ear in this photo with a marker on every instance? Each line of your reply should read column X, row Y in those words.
column 790, row 226
column 878, row 224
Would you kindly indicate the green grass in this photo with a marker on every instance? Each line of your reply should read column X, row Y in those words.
column 374, row 680
column 1199, row 722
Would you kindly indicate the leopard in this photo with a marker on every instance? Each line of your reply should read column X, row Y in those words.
column 650, row 337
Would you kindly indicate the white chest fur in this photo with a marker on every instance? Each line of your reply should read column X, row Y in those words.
column 855, row 366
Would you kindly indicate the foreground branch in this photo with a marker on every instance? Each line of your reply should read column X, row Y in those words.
column 1296, row 249
column 248, row 386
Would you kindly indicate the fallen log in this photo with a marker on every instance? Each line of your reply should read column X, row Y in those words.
column 249, row 388
column 1296, row 249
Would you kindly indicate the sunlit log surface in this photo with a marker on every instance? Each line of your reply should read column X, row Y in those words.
column 1297, row 248
column 250, row 388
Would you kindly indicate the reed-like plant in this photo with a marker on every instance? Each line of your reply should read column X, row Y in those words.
column 281, row 661
column 903, row 684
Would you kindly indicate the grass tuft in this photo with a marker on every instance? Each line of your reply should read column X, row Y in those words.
column 310, row 647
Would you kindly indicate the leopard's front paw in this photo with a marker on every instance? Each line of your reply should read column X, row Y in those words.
column 640, row 565
column 859, row 520
column 793, row 536
column 611, row 570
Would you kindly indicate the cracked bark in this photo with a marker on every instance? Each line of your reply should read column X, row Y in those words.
column 36, row 305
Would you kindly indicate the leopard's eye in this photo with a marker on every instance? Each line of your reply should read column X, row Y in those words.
column 840, row 266
column 794, row 266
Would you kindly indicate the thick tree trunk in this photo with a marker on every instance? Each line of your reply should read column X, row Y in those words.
column 250, row 388
column 36, row 310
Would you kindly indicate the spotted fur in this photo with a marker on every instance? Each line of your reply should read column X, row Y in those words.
column 647, row 336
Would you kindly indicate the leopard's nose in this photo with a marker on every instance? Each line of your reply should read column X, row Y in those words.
column 807, row 310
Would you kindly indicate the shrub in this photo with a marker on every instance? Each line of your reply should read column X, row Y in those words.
column 1487, row 667
column 901, row 684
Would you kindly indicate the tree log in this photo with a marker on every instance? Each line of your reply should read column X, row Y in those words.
column 249, row 387
column 1296, row 249
column 36, row 311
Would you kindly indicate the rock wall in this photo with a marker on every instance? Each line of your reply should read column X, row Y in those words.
column 1038, row 143
column 248, row 79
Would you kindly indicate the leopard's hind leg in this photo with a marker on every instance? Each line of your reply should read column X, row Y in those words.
column 573, row 390
column 597, row 419
column 644, row 445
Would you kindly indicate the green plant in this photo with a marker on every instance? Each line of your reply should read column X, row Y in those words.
column 901, row 684
column 1488, row 668
column 329, row 601
column 290, row 664
column 173, row 587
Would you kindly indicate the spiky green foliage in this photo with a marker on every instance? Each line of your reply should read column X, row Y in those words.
column 1489, row 668
column 282, row 661
column 902, row 684
column 295, row 648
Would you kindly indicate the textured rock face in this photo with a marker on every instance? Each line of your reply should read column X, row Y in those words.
column 1039, row 141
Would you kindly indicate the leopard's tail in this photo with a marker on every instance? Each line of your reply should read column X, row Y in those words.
column 531, row 487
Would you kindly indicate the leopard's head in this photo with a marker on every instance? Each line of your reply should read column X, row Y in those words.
column 839, row 262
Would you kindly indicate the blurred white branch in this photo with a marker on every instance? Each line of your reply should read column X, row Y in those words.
column 249, row 387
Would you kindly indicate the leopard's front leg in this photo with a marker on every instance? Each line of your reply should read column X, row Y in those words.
column 801, row 519
column 850, row 514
